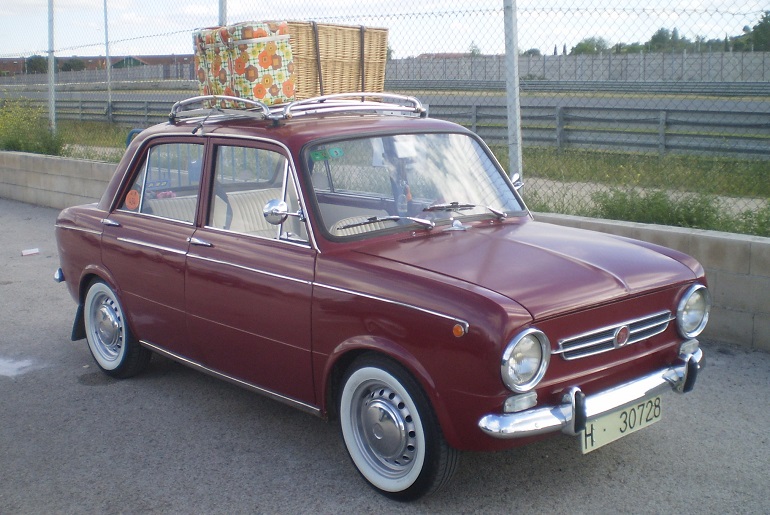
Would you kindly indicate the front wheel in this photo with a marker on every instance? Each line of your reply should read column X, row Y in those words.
column 391, row 432
column 109, row 338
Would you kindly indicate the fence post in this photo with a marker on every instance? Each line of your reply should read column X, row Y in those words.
column 560, row 128
column 662, row 134
column 513, row 104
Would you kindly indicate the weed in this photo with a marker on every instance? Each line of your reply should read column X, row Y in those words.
column 23, row 128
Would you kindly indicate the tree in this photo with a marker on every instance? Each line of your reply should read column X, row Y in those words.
column 760, row 34
column 534, row 52
column 73, row 65
column 590, row 46
column 37, row 64
column 474, row 49
column 665, row 40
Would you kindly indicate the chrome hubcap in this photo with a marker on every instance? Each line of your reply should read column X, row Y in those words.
column 385, row 424
column 107, row 328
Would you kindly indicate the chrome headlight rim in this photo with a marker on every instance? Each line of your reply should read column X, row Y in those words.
column 545, row 353
column 690, row 293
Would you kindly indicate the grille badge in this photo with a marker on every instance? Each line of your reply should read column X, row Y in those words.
column 621, row 336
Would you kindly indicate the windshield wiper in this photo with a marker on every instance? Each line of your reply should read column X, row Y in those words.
column 448, row 206
column 395, row 218
column 456, row 206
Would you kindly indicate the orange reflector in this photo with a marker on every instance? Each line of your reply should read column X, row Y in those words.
column 458, row 330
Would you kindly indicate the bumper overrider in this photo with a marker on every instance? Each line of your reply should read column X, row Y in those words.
column 570, row 417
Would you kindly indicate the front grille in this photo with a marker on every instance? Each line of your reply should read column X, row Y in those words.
column 604, row 339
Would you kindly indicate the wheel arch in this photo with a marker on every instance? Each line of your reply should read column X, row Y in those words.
column 346, row 354
column 87, row 278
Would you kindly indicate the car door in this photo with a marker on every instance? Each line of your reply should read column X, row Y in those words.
column 249, row 283
column 146, row 239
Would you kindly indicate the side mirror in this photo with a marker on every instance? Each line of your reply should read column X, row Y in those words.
column 276, row 211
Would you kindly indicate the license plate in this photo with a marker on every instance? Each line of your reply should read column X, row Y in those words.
column 617, row 424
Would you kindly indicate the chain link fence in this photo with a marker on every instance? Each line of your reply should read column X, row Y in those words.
column 658, row 113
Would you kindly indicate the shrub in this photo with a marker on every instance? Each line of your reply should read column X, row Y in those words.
column 658, row 207
column 23, row 128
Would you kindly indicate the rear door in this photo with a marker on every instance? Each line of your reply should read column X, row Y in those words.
column 146, row 239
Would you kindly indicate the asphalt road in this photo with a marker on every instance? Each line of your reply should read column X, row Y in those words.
column 173, row 440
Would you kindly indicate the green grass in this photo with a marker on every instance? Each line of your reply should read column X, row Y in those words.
column 96, row 134
column 706, row 192
column 100, row 141
column 697, row 174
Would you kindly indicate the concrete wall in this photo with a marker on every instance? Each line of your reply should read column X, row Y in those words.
column 737, row 267
column 52, row 181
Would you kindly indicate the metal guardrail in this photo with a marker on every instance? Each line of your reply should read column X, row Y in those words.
column 633, row 130
column 724, row 89
column 662, row 131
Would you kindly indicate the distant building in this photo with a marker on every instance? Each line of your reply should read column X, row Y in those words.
column 17, row 65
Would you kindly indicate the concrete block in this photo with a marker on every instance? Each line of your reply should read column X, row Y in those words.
column 760, row 257
column 722, row 251
column 10, row 160
column 741, row 292
column 762, row 332
column 671, row 237
column 66, row 168
column 729, row 326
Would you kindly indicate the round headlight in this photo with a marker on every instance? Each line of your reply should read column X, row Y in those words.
column 693, row 311
column 525, row 360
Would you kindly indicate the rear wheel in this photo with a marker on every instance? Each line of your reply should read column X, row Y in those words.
column 109, row 338
column 391, row 432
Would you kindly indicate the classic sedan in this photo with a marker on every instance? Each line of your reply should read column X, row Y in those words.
column 352, row 257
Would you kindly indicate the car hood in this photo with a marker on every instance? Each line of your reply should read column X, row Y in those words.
column 545, row 268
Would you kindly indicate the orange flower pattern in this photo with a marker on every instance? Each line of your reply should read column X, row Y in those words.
column 247, row 60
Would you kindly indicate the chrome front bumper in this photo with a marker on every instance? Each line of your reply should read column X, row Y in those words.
column 570, row 417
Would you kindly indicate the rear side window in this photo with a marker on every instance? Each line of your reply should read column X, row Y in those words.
column 167, row 184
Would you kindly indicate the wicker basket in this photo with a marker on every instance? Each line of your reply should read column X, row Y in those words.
column 337, row 50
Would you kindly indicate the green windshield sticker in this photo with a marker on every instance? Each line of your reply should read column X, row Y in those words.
column 323, row 155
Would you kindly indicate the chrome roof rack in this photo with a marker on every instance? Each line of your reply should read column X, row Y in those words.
column 386, row 103
column 382, row 103
column 253, row 108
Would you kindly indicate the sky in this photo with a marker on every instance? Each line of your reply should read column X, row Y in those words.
column 428, row 26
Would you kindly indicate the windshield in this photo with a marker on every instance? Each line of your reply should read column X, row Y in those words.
column 380, row 183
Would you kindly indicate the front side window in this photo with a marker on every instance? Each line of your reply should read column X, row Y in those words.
column 168, row 182
column 245, row 180
column 440, row 177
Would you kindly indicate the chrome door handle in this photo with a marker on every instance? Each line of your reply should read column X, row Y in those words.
column 110, row 223
column 199, row 242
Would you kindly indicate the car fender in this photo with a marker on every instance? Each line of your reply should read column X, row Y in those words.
column 343, row 355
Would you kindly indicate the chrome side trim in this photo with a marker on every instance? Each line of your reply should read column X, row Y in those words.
column 140, row 243
column 252, row 387
column 283, row 241
column 567, row 417
column 465, row 325
column 79, row 229
column 249, row 269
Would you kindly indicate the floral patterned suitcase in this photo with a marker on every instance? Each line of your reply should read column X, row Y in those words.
column 250, row 60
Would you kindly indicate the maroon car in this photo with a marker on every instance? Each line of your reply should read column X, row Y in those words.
column 354, row 258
